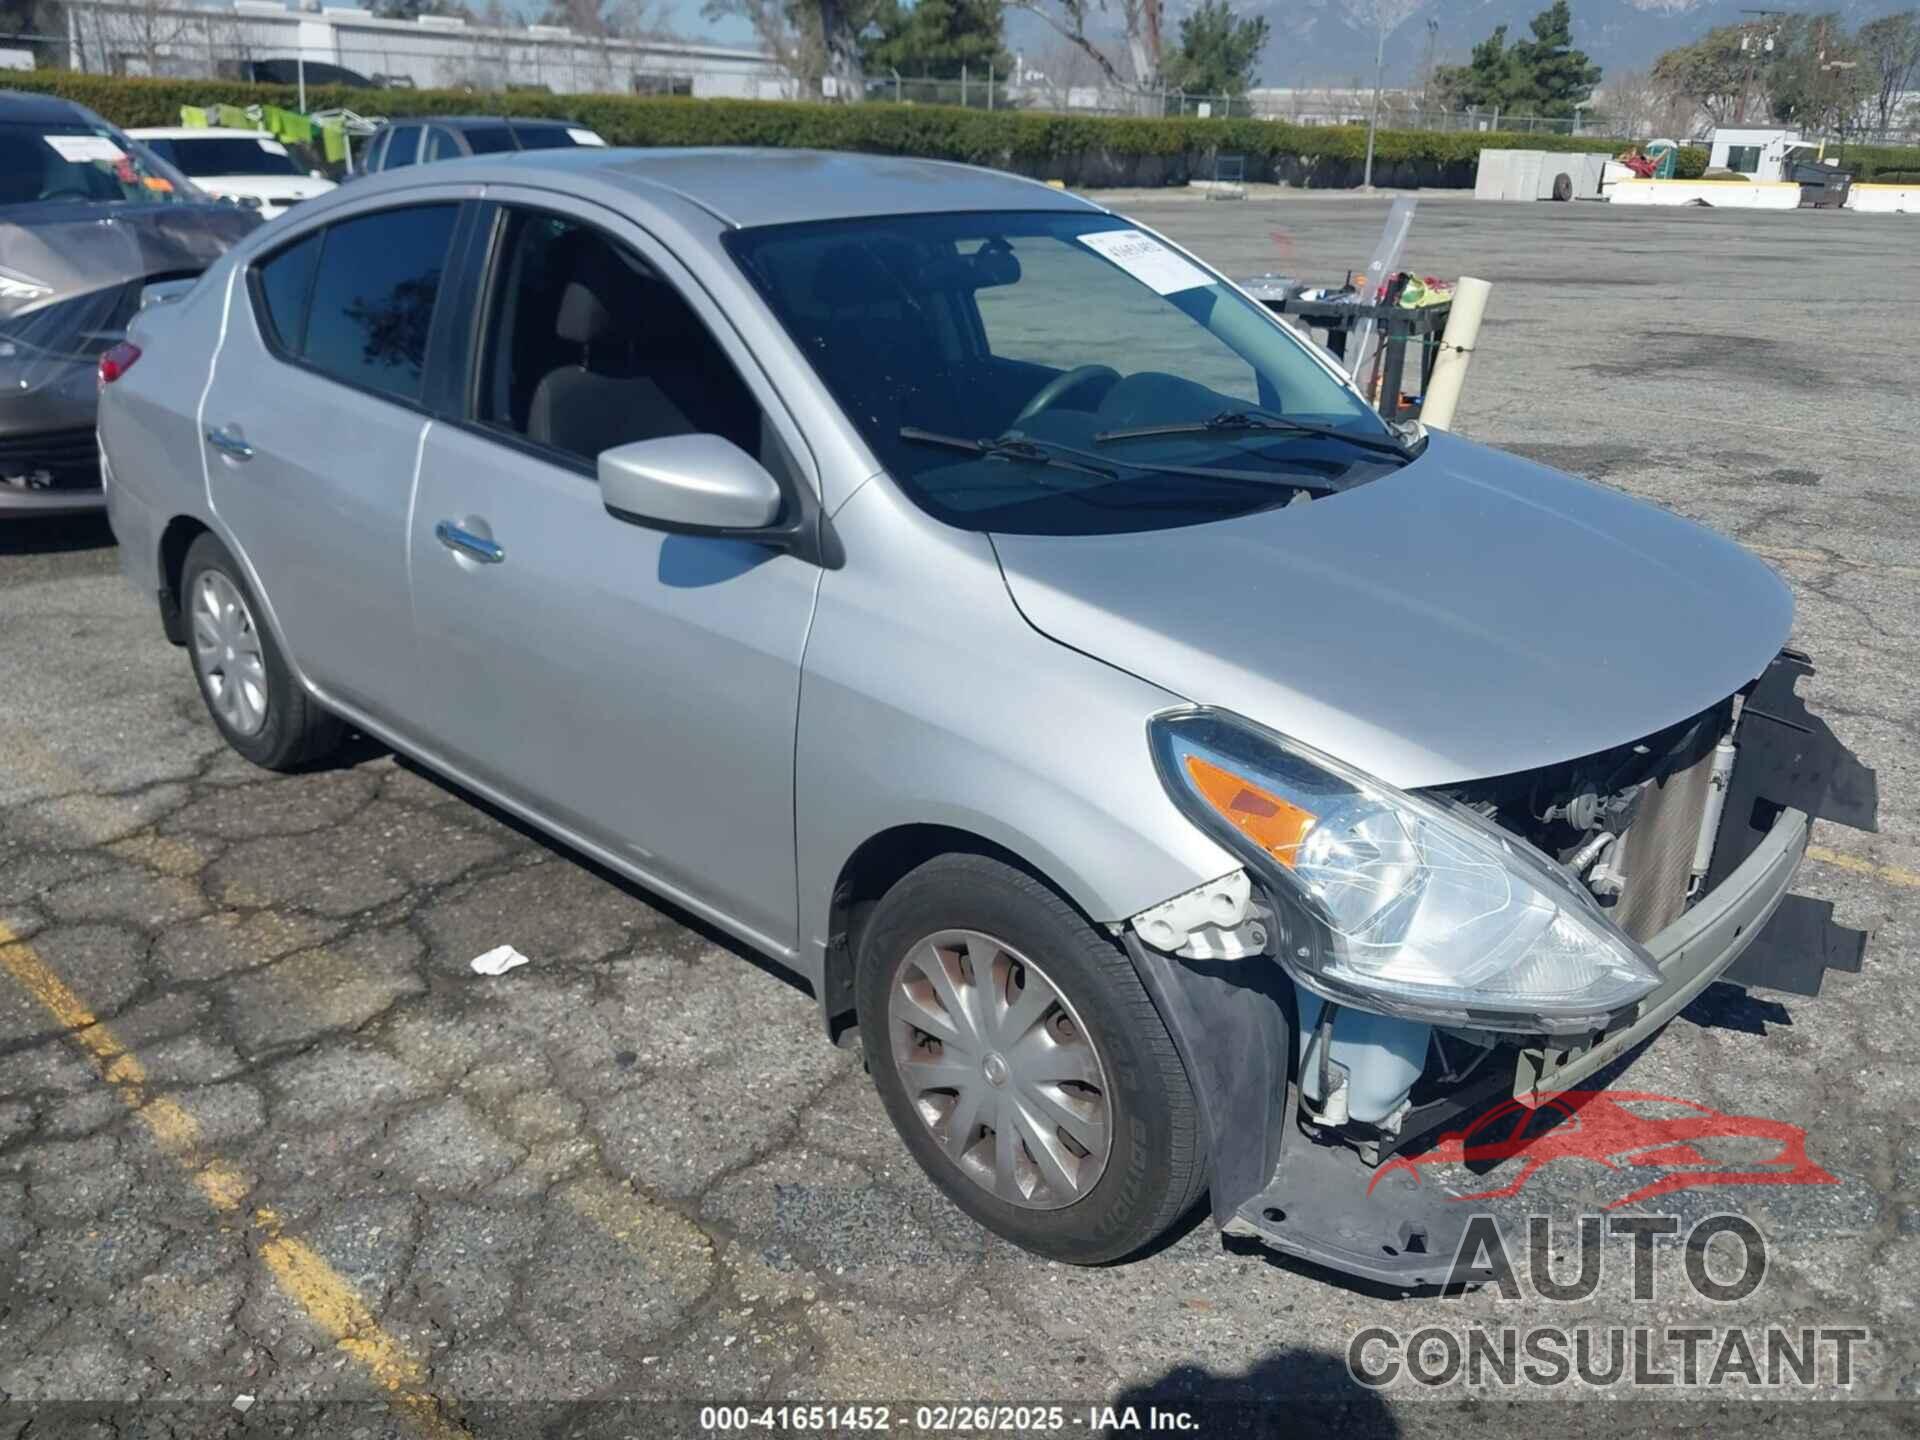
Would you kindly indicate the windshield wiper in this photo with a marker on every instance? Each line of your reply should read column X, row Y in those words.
column 1052, row 452
column 1008, row 447
column 1244, row 420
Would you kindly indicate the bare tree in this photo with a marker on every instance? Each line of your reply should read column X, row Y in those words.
column 135, row 37
column 815, row 41
column 1128, row 60
column 1891, row 47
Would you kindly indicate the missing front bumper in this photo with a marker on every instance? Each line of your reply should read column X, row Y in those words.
column 1321, row 1200
column 1692, row 953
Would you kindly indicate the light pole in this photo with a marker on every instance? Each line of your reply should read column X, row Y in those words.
column 1373, row 116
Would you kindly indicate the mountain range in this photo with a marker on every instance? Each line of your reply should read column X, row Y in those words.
column 1330, row 42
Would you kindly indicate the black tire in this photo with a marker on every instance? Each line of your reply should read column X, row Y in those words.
column 296, row 732
column 1562, row 187
column 1157, row 1166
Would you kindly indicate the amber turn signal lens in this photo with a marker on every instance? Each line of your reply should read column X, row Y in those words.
column 1270, row 822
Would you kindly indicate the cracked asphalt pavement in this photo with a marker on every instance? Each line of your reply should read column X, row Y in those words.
column 272, row 1159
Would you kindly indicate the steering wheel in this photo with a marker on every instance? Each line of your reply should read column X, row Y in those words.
column 67, row 192
column 1060, row 385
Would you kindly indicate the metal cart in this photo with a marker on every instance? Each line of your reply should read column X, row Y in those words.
column 1401, row 328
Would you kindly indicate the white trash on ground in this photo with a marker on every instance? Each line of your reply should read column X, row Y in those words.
column 498, row 961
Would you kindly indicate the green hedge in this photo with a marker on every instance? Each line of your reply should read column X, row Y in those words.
column 1078, row 149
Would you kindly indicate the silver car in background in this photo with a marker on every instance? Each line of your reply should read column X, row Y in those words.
column 87, row 221
column 1183, row 781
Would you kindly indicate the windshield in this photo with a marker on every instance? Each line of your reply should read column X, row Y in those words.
column 1061, row 329
column 78, row 162
column 227, row 155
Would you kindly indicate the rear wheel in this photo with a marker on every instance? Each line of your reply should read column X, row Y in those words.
column 1024, row 1065
column 250, row 692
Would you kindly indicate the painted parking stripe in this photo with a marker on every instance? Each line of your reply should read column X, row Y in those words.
column 314, row 1285
column 1840, row 860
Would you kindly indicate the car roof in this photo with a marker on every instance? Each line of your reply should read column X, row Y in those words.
column 21, row 107
column 196, row 132
column 752, row 187
column 475, row 122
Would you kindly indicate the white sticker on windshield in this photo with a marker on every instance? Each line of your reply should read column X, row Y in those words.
column 273, row 147
column 583, row 137
column 1147, row 260
column 82, row 148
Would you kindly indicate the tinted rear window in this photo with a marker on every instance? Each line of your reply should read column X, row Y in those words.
column 285, row 286
column 373, row 297
column 489, row 140
column 544, row 137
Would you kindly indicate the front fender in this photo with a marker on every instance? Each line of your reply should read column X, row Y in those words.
column 928, row 700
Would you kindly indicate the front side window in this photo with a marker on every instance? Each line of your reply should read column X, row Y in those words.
column 588, row 347
column 373, row 292
column 1059, row 332
column 41, row 163
column 227, row 155
column 441, row 145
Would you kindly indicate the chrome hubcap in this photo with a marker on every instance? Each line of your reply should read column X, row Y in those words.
column 226, row 647
column 1000, row 1070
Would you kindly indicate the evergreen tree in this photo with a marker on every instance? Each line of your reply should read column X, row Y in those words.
column 1219, row 51
column 1540, row 75
column 934, row 39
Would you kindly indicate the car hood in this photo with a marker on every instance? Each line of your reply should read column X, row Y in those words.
column 1470, row 614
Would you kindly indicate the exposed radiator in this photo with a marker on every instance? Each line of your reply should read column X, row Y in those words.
column 1656, row 854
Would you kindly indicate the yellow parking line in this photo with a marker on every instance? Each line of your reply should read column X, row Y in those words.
column 328, row 1299
column 1840, row 860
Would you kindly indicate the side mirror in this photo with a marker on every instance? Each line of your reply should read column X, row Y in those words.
column 700, row 483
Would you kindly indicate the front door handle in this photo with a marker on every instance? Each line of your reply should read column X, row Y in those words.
column 478, row 546
column 229, row 442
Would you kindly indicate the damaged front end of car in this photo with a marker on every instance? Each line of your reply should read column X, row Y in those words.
column 1389, row 960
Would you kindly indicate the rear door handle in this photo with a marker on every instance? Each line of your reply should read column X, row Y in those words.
column 478, row 546
column 229, row 442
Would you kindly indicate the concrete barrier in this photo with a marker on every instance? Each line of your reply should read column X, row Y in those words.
column 1721, row 194
column 1885, row 199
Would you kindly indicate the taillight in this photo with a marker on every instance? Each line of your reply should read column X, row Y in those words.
column 116, row 360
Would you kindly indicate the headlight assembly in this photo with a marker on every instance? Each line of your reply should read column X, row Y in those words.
column 1413, row 908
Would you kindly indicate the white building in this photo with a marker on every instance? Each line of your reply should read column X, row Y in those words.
column 155, row 37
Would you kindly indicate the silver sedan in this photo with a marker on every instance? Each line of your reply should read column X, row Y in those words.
column 1183, row 781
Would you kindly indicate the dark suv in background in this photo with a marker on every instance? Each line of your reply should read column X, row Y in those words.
column 88, row 219
column 451, row 137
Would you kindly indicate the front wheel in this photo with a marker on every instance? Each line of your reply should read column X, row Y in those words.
column 1024, row 1065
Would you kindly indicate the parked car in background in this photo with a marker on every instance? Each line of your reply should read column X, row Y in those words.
column 86, row 222
column 249, row 166
column 1186, row 781
column 452, row 137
